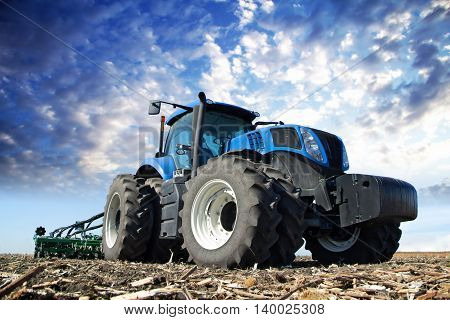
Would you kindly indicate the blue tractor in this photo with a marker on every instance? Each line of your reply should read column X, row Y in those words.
column 225, row 190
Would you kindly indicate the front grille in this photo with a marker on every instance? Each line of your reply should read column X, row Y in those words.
column 333, row 148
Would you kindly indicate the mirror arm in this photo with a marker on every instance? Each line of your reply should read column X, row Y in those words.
column 175, row 105
column 178, row 106
column 156, row 105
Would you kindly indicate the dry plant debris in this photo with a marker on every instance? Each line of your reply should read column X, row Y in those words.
column 418, row 276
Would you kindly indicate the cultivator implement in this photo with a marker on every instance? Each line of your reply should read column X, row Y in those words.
column 74, row 241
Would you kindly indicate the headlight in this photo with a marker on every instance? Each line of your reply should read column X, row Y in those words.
column 311, row 145
column 345, row 164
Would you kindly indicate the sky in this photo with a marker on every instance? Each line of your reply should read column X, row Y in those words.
column 76, row 77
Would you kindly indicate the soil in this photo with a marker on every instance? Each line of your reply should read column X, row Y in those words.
column 407, row 276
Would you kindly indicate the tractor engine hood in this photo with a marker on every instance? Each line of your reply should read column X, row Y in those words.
column 322, row 148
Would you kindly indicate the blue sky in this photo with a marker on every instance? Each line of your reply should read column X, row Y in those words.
column 67, row 127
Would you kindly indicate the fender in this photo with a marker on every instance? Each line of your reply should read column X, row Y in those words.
column 154, row 167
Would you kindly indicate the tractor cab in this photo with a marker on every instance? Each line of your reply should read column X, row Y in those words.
column 220, row 122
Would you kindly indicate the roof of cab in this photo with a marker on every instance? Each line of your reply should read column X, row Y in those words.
column 218, row 106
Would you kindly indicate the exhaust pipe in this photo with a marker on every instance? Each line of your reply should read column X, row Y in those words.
column 197, row 124
column 161, row 136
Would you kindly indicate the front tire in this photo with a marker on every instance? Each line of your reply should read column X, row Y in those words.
column 229, row 216
column 368, row 244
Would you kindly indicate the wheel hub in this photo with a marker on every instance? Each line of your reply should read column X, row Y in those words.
column 340, row 241
column 214, row 214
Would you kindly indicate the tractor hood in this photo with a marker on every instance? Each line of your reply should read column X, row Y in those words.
column 217, row 106
column 323, row 148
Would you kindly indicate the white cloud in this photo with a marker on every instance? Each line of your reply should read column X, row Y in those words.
column 237, row 51
column 256, row 49
column 387, row 55
column 392, row 145
column 353, row 96
column 246, row 11
column 219, row 80
column 255, row 42
column 284, row 44
column 394, row 27
column 6, row 138
column 433, row 5
column 379, row 80
column 442, row 59
column 347, row 42
column 111, row 122
column 172, row 61
column 267, row 6
column 399, row 19
column 304, row 116
column 313, row 68
column 424, row 72
column 237, row 66
column 296, row 74
column 48, row 112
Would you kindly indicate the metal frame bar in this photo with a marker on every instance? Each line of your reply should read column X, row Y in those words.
column 79, row 227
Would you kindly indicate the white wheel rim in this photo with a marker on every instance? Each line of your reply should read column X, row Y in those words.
column 335, row 245
column 112, row 220
column 214, row 214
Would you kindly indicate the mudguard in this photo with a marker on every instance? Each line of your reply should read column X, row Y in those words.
column 165, row 166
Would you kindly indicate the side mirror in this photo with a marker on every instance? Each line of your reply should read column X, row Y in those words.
column 154, row 108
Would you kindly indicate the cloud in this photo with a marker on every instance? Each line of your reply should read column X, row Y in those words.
column 438, row 194
column 267, row 6
column 64, row 121
column 219, row 80
column 347, row 42
column 436, row 77
column 7, row 139
column 74, row 120
column 248, row 9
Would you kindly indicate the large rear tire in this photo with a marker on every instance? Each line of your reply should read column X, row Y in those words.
column 229, row 216
column 127, row 225
column 369, row 244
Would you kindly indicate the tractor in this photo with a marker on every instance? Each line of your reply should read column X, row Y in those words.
column 226, row 190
